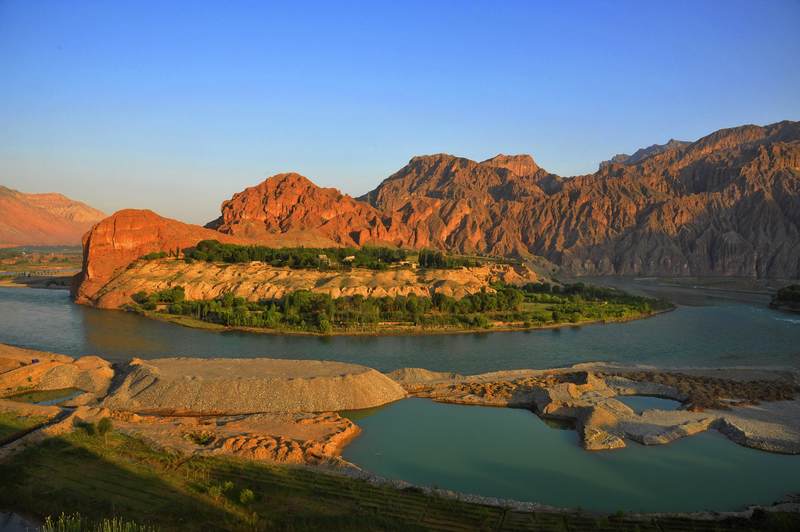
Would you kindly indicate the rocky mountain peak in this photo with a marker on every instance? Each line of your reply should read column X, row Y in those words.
column 522, row 165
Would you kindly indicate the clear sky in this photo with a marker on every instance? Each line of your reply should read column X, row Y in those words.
column 175, row 106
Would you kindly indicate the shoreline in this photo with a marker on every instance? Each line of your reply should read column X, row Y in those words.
column 194, row 323
column 592, row 388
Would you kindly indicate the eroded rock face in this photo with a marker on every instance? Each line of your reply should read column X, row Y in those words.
column 257, row 281
column 189, row 386
column 290, row 203
column 728, row 204
column 43, row 219
column 127, row 235
column 277, row 437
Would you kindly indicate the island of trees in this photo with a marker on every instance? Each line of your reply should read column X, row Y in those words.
column 501, row 306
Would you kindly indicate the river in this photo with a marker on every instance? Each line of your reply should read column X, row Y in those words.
column 711, row 331
column 490, row 451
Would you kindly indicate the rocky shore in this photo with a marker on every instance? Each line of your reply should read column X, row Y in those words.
column 287, row 410
column 754, row 407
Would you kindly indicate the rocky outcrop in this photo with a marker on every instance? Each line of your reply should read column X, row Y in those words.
column 43, row 219
column 258, row 281
column 120, row 239
column 25, row 369
column 243, row 386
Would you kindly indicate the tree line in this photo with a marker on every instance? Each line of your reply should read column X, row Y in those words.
column 304, row 310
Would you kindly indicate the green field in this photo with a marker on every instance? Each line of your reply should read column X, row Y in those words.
column 124, row 478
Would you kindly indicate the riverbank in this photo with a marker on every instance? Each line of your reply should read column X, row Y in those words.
column 410, row 330
column 32, row 281
column 183, row 408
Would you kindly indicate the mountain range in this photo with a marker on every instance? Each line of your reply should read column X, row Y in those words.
column 726, row 204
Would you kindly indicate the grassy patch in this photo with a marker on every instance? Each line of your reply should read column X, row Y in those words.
column 11, row 424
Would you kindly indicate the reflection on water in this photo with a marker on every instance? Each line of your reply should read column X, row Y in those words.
column 511, row 453
column 722, row 333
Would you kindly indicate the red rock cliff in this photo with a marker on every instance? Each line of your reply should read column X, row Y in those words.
column 125, row 236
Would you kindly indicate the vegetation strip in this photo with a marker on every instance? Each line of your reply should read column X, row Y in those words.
column 115, row 482
column 532, row 305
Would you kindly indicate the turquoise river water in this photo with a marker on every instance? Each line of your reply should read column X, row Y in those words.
column 493, row 451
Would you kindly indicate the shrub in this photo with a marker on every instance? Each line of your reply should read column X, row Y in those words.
column 246, row 496
column 201, row 438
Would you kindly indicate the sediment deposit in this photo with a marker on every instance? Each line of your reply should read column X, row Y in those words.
column 191, row 386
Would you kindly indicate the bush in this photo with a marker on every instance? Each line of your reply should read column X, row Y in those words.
column 104, row 426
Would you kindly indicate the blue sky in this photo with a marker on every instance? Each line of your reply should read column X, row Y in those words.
column 175, row 106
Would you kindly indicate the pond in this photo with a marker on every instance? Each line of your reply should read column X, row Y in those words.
column 511, row 453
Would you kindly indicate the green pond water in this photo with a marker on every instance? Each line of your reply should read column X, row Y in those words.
column 47, row 397
column 494, row 452
column 511, row 453
column 640, row 403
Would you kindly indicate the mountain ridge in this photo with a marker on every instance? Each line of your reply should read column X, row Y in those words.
column 727, row 204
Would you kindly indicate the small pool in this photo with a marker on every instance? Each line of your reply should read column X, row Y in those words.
column 640, row 403
column 512, row 453
column 11, row 522
column 47, row 397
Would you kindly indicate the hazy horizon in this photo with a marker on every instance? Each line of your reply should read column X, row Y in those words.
column 173, row 109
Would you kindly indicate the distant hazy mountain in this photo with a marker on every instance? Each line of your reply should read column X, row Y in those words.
column 43, row 219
